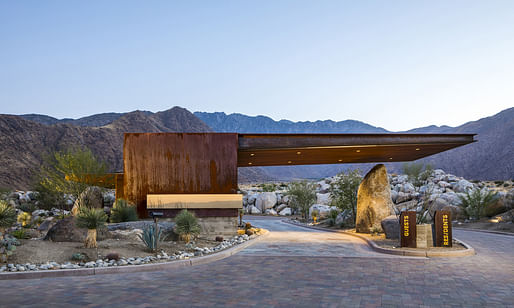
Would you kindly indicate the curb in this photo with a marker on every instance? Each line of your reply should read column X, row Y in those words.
column 484, row 231
column 133, row 268
column 469, row 251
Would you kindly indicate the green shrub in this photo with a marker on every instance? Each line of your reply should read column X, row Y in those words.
column 417, row 176
column 332, row 217
column 78, row 257
column 269, row 187
column 476, row 201
column 498, row 183
column 7, row 215
column 91, row 218
column 123, row 211
column 186, row 225
column 7, row 247
column 150, row 237
column 27, row 207
column 48, row 198
column 302, row 196
column 344, row 191
column 20, row 234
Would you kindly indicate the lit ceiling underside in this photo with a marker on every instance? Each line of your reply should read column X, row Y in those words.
column 308, row 149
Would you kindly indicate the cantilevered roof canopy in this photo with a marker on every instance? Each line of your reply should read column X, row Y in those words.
column 307, row 149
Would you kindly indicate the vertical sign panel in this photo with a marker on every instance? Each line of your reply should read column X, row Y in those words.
column 443, row 229
column 408, row 229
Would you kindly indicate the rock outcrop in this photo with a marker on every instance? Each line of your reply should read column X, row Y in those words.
column 373, row 200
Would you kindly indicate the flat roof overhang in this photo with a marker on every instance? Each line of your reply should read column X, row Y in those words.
column 308, row 149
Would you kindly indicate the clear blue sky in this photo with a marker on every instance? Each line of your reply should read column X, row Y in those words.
column 394, row 64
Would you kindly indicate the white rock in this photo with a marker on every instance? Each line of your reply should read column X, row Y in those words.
column 462, row 186
column 281, row 207
column 254, row 210
column 323, row 198
column 252, row 198
column 271, row 212
column 407, row 188
column 285, row 212
column 266, row 200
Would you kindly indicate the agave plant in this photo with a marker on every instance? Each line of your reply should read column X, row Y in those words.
column 91, row 219
column 151, row 237
column 186, row 225
column 123, row 211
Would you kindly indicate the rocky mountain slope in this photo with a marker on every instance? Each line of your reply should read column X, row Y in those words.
column 24, row 142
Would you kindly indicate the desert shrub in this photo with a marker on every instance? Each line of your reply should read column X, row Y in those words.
column 48, row 199
column 187, row 225
column 68, row 172
column 268, row 187
column 498, row 183
column 7, row 215
column 475, row 202
column 91, row 219
column 7, row 247
column 27, row 207
column 151, row 237
column 123, row 211
column 24, row 219
column 417, row 172
column 20, row 234
column 302, row 195
column 78, row 257
column 315, row 214
column 332, row 217
column 344, row 191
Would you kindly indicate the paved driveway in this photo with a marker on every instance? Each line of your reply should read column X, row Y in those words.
column 295, row 267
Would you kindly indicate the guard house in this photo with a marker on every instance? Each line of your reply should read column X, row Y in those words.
column 168, row 172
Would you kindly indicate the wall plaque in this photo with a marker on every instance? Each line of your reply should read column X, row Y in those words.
column 408, row 229
column 443, row 229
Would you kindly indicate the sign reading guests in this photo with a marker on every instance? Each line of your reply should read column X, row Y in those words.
column 408, row 229
column 443, row 229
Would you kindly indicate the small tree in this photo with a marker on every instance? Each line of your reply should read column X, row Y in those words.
column 68, row 172
column 475, row 201
column 417, row 172
column 344, row 191
column 187, row 225
column 92, row 219
column 302, row 196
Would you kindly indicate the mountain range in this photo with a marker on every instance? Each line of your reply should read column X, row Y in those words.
column 24, row 139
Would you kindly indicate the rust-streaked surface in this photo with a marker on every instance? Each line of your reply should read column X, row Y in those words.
column 167, row 213
column 194, row 201
column 306, row 149
column 107, row 180
column 120, row 191
column 178, row 163
column 443, row 229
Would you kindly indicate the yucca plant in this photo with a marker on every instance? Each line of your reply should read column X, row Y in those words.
column 474, row 202
column 151, row 237
column 123, row 211
column 186, row 225
column 92, row 219
column 7, row 216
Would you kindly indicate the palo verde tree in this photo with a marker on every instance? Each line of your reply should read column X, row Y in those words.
column 343, row 191
column 68, row 172
column 302, row 196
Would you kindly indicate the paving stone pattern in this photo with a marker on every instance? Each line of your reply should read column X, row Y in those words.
column 287, row 271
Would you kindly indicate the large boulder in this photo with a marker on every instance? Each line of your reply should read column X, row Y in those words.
column 92, row 197
column 266, row 200
column 373, row 200
column 322, row 209
column 66, row 230
column 463, row 186
column 323, row 198
column 285, row 212
column 391, row 227
column 254, row 210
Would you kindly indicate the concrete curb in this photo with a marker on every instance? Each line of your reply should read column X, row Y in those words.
column 133, row 268
column 484, row 231
column 469, row 251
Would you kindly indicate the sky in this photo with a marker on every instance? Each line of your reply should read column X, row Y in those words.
column 392, row 64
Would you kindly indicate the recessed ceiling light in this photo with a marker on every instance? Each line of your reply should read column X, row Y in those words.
column 249, row 163
column 358, row 151
column 298, row 153
column 417, row 149
column 390, row 158
column 339, row 160
column 289, row 161
column 252, row 154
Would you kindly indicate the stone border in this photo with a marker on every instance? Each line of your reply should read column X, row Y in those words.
column 469, row 251
column 134, row 268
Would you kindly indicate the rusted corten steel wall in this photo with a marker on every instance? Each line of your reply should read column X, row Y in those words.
column 178, row 163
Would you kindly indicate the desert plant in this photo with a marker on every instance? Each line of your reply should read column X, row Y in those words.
column 7, row 215
column 302, row 196
column 92, row 219
column 7, row 246
column 78, row 256
column 20, row 234
column 268, row 187
column 332, row 217
column 474, row 202
column 123, row 211
column 315, row 215
column 24, row 219
column 417, row 172
column 187, row 225
column 151, row 237
column 48, row 198
column 69, row 171
column 27, row 207
column 344, row 191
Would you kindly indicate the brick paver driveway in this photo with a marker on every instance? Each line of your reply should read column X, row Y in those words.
column 295, row 267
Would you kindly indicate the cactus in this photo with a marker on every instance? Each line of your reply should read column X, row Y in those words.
column 150, row 237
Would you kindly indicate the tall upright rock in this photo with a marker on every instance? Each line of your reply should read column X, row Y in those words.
column 373, row 200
